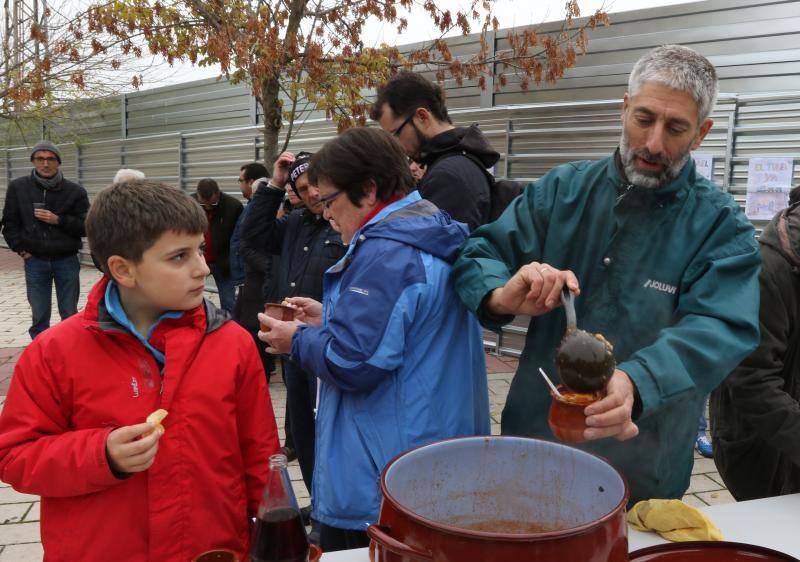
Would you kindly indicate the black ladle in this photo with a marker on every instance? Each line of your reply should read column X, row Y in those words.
column 585, row 361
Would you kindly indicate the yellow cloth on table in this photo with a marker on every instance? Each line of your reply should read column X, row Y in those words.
column 673, row 520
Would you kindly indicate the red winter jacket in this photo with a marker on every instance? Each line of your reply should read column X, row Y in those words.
column 86, row 376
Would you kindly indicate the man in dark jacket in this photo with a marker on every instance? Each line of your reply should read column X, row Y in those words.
column 222, row 211
column 249, row 267
column 755, row 413
column 305, row 245
column 412, row 109
column 43, row 222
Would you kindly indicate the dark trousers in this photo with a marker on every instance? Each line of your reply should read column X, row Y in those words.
column 225, row 287
column 39, row 277
column 245, row 312
column 301, row 398
column 332, row 539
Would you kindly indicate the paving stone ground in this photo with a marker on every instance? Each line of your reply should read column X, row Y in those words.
column 19, row 513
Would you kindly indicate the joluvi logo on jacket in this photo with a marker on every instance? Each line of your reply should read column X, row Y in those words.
column 660, row 286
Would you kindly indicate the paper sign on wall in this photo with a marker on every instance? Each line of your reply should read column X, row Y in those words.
column 704, row 164
column 768, row 183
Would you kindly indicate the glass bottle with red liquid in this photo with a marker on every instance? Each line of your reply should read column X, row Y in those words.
column 279, row 534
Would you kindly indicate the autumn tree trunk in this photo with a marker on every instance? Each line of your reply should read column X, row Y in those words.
column 273, row 118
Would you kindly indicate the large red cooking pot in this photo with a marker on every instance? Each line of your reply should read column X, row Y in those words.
column 500, row 499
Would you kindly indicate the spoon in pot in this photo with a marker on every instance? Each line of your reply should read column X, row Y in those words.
column 549, row 382
column 585, row 361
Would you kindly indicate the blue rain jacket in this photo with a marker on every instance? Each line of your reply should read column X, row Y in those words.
column 399, row 357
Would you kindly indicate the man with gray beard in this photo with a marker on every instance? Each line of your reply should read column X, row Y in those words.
column 661, row 261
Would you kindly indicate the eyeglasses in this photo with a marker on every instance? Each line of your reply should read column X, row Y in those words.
column 43, row 159
column 328, row 199
column 209, row 205
column 405, row 122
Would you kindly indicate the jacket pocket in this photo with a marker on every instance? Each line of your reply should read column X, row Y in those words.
column 370, row 440
column 371, row 443
column 749, row 468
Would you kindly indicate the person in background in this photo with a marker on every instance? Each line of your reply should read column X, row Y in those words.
column 249, row 268
column 222, row 211
column 664, row 265
column 291, row 202
column 412, row 108
column 303, row 245
column 417, row 171
column 400, row 360
column 755, row 412
column 42, row 221
column 794, row 195
column 125, row 175
column 73, row 427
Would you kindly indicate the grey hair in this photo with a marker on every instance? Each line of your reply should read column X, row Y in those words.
column 679, row 68
column 127, row 174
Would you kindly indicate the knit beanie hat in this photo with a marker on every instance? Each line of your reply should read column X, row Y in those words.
column 299, row 167
column 46, row 145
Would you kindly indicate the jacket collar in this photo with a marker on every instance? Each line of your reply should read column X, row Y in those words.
column 114, row 308
column 459, row 140
column 206, row 317
column 677, row 188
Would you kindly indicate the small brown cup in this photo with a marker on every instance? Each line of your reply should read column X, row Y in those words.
column 314, row 553
column 566, row 418
column 218, row 555
column 278, row 312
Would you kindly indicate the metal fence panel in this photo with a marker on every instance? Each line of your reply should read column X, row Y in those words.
column 209, row 128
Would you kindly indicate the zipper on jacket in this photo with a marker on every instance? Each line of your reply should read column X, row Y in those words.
column 628, row 188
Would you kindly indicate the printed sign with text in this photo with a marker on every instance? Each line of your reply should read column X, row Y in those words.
column 704, row 164
column 768, row 183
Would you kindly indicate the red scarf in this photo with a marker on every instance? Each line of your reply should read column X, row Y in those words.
column 378, row 208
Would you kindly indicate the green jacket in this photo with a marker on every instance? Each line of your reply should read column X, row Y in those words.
column 669, row 276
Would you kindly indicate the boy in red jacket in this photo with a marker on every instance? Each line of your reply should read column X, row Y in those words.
column 73, row 428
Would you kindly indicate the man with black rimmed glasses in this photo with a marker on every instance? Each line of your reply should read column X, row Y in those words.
column 43, row 222
column 412, row 108
column 223, row 211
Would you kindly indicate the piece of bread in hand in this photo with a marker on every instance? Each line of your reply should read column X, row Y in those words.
column 156, row 418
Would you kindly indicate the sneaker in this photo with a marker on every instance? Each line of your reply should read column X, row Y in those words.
column 703, row 445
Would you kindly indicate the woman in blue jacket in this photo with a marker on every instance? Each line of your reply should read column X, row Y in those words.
column 400, row 359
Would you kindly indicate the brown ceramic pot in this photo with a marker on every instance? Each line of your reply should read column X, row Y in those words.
column 500, row 499
column 566, row 418
column 702, row 551
column 278, row 312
